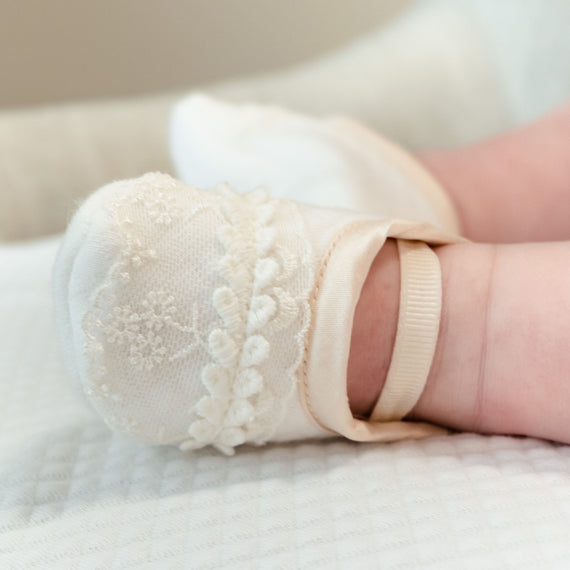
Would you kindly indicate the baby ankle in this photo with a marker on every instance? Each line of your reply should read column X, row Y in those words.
column 374, row 331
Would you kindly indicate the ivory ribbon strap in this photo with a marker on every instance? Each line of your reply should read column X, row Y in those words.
column 417, row 332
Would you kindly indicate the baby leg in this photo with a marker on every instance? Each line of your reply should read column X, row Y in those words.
column 513, row 187
column 502, row 361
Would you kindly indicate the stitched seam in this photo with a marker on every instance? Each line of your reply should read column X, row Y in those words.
column 312, row 302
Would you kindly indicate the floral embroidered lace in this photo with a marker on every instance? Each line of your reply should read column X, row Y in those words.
column 196, row 331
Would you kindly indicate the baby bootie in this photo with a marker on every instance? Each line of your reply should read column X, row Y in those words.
column 331, row 162
column 208, row 317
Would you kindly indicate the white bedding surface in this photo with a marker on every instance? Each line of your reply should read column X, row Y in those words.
column 75, row 495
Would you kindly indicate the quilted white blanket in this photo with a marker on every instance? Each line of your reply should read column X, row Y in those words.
column 75, row 495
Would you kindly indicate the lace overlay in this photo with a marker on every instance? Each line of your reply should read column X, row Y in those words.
column 196, row 331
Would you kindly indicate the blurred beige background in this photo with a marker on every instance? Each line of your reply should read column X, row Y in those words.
column 58, row 50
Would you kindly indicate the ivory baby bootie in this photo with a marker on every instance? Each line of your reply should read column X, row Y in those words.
column 330, row 162
column 207, row 317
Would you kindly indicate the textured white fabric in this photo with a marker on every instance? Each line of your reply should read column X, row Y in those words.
column 73, row 494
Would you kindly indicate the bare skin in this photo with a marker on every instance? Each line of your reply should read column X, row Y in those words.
column 502, row 363
column 514, row 187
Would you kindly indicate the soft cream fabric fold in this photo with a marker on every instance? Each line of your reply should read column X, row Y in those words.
column 343, row 272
